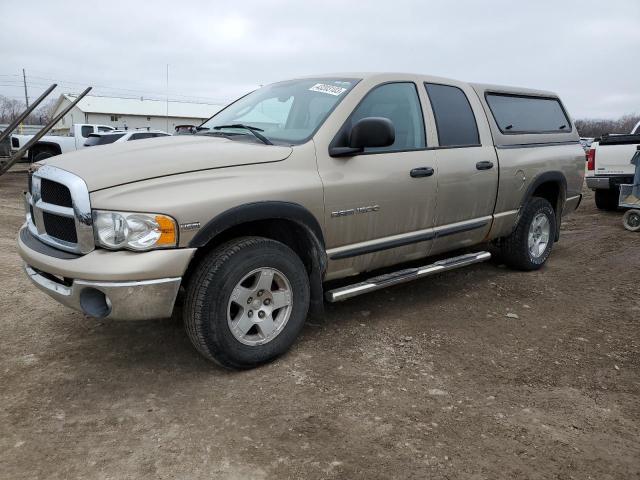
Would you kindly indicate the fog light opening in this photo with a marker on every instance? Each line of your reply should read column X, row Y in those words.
column 95, row 303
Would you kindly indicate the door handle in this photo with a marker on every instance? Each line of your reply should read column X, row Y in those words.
column 422, row 172
column 484, row 165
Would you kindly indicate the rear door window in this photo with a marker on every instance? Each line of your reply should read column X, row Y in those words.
column 528, row 114
column 455, row 121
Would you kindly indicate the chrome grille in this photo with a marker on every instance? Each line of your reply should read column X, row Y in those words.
column 58, row 210
column 62, row 228
column 55, row 193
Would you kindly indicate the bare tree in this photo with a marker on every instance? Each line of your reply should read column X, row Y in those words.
column 591, row 127
column 10, row 108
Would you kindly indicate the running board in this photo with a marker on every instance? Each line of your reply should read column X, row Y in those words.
column 402, row 276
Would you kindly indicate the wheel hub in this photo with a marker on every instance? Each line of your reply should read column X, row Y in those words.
column 539, row 234
column 260, row 306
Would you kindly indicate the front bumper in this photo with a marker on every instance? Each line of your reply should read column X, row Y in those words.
column 141, row 300
column 115, row 285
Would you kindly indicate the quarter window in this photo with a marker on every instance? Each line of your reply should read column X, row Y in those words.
column 522, row 114
column 399, row 103
column 455, row 120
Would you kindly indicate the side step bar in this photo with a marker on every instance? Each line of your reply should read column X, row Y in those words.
column 402, row 276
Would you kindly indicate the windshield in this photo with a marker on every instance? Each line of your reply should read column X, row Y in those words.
column 286, row 112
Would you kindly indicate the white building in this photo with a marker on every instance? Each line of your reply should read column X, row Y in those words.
column 132, row 112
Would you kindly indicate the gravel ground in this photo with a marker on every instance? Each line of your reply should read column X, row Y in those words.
column 473, row 374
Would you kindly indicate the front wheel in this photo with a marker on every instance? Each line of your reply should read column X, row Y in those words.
column 529, row 245
column 246, row 302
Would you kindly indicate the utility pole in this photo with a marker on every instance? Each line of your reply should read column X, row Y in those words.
column 24, row 80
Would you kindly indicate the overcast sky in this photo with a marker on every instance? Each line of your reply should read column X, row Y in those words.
column 586, row 51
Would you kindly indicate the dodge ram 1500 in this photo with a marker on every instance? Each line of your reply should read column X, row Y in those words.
column 297, row 184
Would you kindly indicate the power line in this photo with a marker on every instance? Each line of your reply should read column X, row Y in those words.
column 70, row 82
column 71, row 85
column 114, row 93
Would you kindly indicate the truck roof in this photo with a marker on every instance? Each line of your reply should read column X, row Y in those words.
column 390, row 76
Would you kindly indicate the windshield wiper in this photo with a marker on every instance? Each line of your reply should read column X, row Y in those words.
column 253, row 130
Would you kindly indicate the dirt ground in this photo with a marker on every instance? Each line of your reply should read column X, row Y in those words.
column 478, row 373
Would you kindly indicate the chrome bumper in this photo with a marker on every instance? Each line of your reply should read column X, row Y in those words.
column 136, row 300
column 598, row 183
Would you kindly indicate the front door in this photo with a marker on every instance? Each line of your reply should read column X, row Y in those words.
column 380, row 204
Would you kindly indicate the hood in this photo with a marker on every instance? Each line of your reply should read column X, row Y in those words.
column 109, row 165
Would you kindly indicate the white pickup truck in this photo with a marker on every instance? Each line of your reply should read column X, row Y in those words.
column 51, row 145
column 609, row 165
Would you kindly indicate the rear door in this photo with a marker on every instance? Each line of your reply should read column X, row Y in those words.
column 467, row 167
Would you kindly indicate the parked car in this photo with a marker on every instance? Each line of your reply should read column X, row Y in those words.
column 295, row 185
column 609, row 165
column 51, row 145
column 114, row 136
column 185, row 129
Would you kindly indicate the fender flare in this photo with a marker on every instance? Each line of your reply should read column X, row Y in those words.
column 547, row 177
column 250, row 212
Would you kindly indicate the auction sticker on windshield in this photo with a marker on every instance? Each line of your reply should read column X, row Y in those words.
column 330, row 89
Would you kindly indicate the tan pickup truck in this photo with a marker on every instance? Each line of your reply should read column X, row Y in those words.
column 294, row 185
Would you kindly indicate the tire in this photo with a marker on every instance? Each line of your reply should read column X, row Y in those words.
column 631, row 220
column 608, row 199
column 42, row 155
column 515, row 249
column 215, row 313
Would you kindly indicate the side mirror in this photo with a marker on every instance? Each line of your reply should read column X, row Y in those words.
column 372, row 132
column 369, row 132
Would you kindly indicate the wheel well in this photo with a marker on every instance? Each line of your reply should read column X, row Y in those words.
column 550, row 191
column 44, row 147
column 297, row 236
column 293, row 234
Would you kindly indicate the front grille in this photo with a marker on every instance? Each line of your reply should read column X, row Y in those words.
column 62, row 228
column 55, row 193
column 59, row 210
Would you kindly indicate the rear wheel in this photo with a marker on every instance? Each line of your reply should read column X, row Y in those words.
column 246, row 302
column 529, row 245
column 608, row 199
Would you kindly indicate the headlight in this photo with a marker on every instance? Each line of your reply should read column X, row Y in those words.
column 133, row 231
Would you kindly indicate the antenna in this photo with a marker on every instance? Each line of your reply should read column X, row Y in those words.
column 167, row 98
